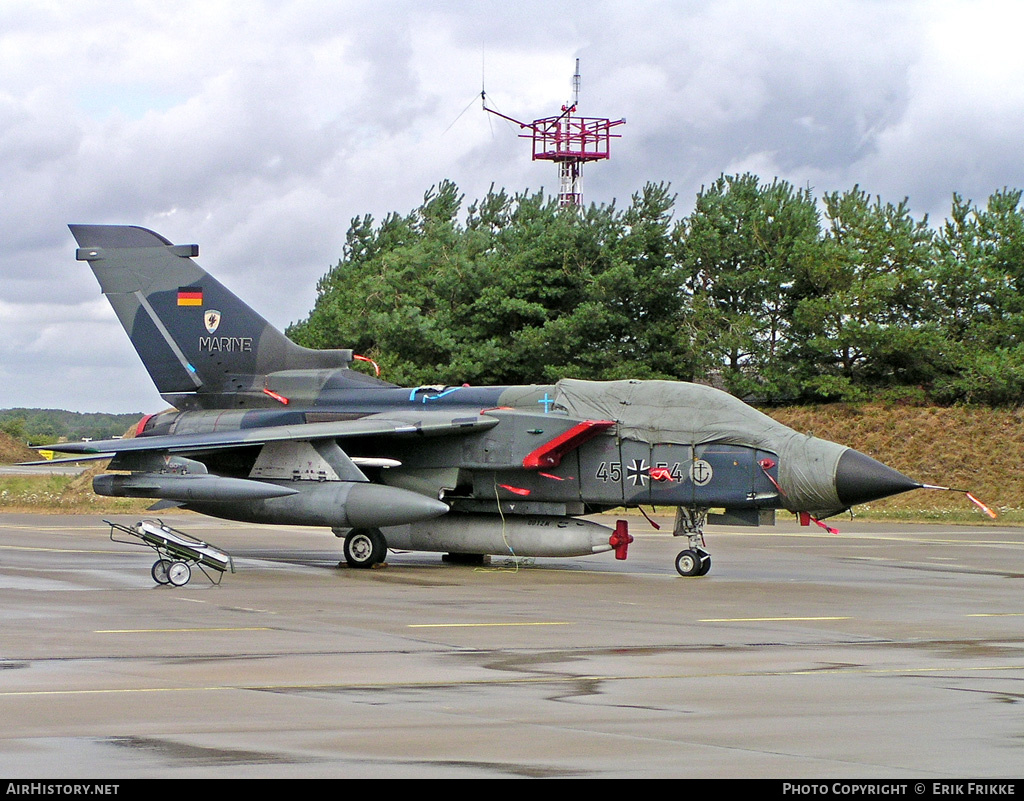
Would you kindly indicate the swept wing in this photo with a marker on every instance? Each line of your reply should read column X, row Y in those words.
column 387, row 424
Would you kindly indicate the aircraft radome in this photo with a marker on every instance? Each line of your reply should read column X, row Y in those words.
column 265, row 431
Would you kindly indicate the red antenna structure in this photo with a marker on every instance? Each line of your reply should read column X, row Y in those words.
column 569, row 141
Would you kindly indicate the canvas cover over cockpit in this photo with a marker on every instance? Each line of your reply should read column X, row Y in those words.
column 693, row 414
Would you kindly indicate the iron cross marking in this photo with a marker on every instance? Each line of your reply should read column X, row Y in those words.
column 636, row 472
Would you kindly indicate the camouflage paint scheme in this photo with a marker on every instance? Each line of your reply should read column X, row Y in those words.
column 264, row 430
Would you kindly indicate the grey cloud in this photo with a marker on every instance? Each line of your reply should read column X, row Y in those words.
column 259, row 131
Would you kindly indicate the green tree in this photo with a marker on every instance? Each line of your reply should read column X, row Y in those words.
column 629, row 317
column 739, row 253
column 862, row 314
column 755, row 285
column 524, row 291
column 15, row 428
column 391, row 295
column 977, row 284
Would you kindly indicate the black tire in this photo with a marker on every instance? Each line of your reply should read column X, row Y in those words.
column 688, row 563
column 365, row 547
column 705, row 564
column 159, row 571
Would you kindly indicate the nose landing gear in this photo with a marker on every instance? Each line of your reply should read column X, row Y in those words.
column 695, row 560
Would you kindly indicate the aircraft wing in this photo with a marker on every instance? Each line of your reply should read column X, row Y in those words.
column 94, row 457
column 399, row 424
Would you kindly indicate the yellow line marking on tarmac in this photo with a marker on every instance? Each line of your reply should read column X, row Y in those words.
column 54, row 550
column 50, row 528
column 113, row 692
column 769, row 620
column 176, row 631
column 996, row 614
column 483, row 625
column 920, row 537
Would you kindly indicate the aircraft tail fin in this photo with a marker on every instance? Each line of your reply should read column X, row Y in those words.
column 201, row 344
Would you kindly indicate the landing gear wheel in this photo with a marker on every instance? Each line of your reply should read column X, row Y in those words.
column 687, row 563
column 161, row 567
column 365, row 547
column 693, row 563
column 179, row 574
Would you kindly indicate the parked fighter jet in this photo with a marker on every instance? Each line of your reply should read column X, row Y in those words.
column 265, row 431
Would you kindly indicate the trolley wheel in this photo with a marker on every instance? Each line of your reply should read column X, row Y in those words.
column 179, row 573
column 161, row 567
column 365, row 547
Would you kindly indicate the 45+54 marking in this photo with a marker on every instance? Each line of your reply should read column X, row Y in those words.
column 638, row 472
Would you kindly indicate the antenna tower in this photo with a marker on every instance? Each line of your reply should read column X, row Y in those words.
column 568, row 140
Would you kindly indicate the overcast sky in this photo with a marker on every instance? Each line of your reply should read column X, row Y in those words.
column 259, row 130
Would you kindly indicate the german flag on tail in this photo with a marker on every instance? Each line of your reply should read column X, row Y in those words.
column 190, row 296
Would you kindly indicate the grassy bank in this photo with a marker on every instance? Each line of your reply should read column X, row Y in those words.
column 971, row 448
column 66, row 494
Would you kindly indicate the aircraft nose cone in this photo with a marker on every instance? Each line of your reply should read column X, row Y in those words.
column 860, row 479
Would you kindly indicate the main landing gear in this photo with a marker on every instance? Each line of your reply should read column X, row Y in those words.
column 695, row 560
column 364, row 547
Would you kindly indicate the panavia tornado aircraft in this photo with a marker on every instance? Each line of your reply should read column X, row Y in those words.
column 266, row 431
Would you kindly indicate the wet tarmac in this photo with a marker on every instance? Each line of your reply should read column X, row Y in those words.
column 886, row 651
